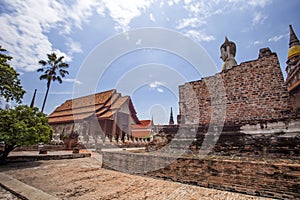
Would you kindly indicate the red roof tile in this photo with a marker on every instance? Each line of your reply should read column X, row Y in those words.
column 103, row 105
column 143, row 129
column 141, row 133
column 143, row 124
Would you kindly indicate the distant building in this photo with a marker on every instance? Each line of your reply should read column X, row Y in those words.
column 143, row 130
column 95, row 117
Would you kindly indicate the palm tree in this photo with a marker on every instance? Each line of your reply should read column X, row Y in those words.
column 49, row 69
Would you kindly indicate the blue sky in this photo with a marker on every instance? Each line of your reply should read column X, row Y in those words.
column 77, row 29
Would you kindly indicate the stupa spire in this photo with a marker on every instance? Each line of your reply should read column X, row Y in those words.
column 171, row 121
column 293, row 38
column 294, row 45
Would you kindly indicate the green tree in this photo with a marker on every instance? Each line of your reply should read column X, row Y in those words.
column 10, row 84
column 22, row 126
column 54, row 69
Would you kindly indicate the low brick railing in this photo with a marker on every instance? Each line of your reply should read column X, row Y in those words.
column 272, row 178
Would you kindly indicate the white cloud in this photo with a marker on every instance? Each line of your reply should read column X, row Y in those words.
column 170, row 3
column 72, row 80
column 242, row 4
column 258, row 3
column 200, row 11
column 190, row 23
column 152, row 18
column 73, row 47
column 258, row 18
column 160, row 90
column 23, row 31
column 138, row 42
column 276, row 38
column 203, row 9
column 155, row 84
column 256, row 42
column 199, row 36
column 60, row 53
column 78, row 13
column 187, row 1
column 122, row 12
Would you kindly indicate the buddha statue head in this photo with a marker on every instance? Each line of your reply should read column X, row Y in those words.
column 228, row 50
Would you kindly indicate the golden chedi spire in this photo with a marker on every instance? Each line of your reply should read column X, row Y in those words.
column 294, row 45
column 293, row 69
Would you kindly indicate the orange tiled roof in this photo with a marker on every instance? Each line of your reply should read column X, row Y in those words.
column 102, row 105
column 142, row 125
column 142, row 130
column 141, row 133
column 90, row 100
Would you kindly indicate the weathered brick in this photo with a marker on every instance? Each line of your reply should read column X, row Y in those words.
column 254, row 91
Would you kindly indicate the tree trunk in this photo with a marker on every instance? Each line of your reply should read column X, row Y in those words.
column 48, row 87
column 4, row 154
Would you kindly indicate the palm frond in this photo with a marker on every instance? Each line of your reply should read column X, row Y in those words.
column 59, row 59
column 40, row 70
column 59, row 79
column 43, row 77
column 63, row 72
column 52, row 56
column 42, row 62
column 63, row 65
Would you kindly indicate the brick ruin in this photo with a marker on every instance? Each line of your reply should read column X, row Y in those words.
column 255, row 92
column 250, row 117
column 256, row 110
column 267, row 178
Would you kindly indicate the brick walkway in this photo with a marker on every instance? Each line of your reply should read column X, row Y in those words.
column 84, row 178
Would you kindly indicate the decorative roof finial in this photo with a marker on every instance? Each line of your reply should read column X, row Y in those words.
column 293, row 38
column 171, row 121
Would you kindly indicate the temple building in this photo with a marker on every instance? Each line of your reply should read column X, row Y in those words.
column 143, row 130
column 105, row 115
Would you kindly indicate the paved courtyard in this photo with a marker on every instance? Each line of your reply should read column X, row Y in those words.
column 84, row 178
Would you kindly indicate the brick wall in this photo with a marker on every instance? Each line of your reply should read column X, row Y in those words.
column 295, row 100
column 253, row 91
column 269, row 178
column 276, row 140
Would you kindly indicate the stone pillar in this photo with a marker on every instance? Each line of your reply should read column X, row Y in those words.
column 114, row 126
column 129, row 133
